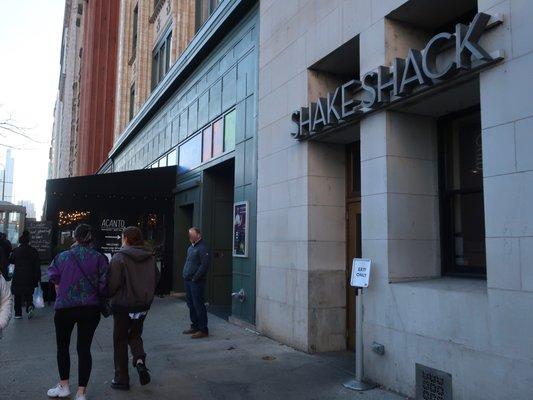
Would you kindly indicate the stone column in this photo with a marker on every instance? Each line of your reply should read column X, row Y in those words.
column 399, row 194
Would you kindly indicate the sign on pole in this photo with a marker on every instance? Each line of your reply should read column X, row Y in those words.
column 360, row 272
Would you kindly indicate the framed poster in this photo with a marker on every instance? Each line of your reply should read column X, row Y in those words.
column 240, row 229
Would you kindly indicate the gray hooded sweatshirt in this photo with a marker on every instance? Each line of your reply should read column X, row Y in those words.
column 133, row 277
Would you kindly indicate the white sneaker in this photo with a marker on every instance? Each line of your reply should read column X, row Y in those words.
column 80, row 397
column 59, row 391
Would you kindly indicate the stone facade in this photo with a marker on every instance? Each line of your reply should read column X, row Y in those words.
column 64, row 146
column 135, row 66
column 475, row 329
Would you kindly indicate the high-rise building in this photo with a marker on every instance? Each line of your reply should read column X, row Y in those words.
column 30, row 208
column 7, row 170
column 84, row 111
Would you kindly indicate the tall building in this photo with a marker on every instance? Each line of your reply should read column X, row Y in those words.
column 66, row 110
column 30, row 208
column 7, row 171
column 97, row 84
column 301, row 135
column 84, row 111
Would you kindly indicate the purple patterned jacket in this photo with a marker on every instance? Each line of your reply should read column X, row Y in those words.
column 73, row 288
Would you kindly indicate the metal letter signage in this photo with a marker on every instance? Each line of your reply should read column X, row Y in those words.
column 418, row 71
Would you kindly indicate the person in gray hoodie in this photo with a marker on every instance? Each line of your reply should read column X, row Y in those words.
column 133, row 277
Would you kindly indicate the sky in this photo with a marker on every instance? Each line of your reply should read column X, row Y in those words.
column 30, row 44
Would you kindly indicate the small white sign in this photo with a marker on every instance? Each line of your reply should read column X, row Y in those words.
column 360, row 272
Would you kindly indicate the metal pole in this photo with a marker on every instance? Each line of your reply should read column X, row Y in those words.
column 357, row 383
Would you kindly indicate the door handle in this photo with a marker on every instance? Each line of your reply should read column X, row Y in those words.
column 240, row 295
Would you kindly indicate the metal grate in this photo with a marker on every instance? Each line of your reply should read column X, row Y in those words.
column 432, row 384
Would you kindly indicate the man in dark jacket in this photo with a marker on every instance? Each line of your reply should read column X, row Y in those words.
column 5, row 252
column 194, row 273
column 133, row 277
column 26, row 276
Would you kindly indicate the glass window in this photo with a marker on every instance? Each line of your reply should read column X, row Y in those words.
column 218, row 138
column 207, row 149
column 161, row 59
column 229, row 131
column 204, row 8
column 132, row 101
column 134, row 32
column 171, row 158
column 163, row 162
column 462, row 202
column 190, row 154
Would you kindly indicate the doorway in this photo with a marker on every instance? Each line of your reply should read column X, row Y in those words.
column 184, row 220
column 217, row 222
column 353, row 231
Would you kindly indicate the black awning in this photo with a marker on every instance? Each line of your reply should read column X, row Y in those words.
column 147, row 188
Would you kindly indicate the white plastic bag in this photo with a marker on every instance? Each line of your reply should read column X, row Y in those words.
column 38, row 300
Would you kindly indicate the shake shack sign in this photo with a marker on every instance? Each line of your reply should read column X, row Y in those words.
column 420, row 70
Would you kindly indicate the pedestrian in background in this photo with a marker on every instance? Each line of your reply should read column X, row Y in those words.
column 5, row 303
column 26, row 276
column 80, row 278
column 133, row 277
column 5, row 252
column 194, row 273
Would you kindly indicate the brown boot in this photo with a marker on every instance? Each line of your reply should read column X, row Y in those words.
column 200, row 335
column 190, row 331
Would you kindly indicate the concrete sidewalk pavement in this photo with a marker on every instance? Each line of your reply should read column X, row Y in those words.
column 233, row 363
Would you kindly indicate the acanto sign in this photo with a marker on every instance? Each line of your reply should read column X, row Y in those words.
column 386, row 85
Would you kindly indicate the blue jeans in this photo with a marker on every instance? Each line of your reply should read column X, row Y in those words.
column 196, row 303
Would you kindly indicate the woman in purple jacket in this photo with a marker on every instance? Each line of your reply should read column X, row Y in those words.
column 80, row 278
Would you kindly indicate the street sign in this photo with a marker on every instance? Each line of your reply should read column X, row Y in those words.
column 360, row 272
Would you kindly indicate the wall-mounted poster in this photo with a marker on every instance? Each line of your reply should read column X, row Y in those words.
column 240, row 229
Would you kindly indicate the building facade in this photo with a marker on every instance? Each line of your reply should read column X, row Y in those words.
column 83, row 129
column 429, row 176
column 7, row 173
column 198, row 113
column 304, row 134
column 66, row 111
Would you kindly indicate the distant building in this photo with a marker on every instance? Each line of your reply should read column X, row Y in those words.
column 7, row 168
column 30, row 208
column 66, row 110
column 82, row 133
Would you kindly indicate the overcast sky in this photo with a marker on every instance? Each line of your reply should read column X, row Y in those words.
column 30, row 41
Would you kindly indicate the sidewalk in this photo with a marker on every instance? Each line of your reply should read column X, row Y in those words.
column 231, row 364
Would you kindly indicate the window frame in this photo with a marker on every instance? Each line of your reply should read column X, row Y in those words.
column 446, row 198
column 131, row 111
column 161, row 61
column 135, row 31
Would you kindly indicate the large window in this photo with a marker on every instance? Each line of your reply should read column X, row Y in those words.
column 132, row 101
column 161, row 59
column 204, row 8
column 134, row 31
column 461, row 190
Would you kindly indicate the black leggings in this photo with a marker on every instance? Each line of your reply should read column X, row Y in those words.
column 87, row 319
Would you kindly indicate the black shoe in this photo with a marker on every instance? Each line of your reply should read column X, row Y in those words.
column 144, row 375
column 30, row 311
column 120, row 386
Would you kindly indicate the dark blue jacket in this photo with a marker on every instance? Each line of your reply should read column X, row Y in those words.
column 197, row 262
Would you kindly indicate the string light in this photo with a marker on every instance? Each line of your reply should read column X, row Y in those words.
column 70, row 217
column 152, row 219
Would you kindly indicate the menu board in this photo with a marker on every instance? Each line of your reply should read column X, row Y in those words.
column 240, row 229
column 41, row 238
